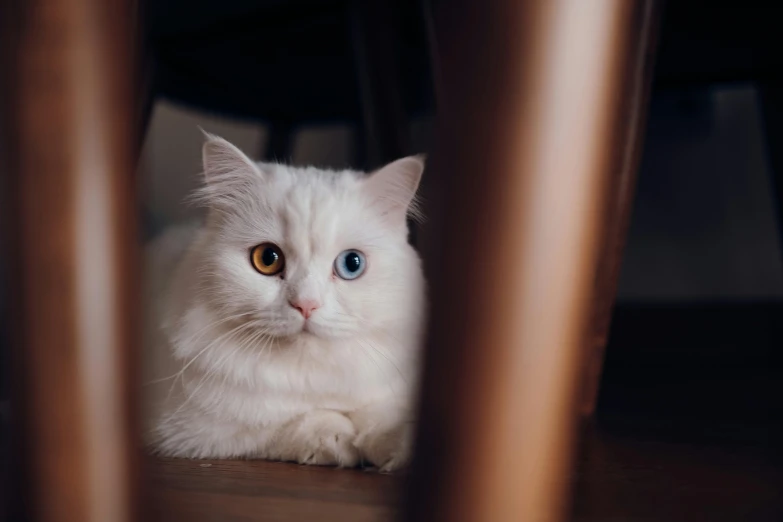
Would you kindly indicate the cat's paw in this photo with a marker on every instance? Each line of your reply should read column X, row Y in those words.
column 326, row 439
column 387, row 449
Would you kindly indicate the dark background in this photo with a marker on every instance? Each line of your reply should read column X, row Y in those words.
column 697, row 332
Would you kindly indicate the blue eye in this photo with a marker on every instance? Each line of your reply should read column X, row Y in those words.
column 350, row 264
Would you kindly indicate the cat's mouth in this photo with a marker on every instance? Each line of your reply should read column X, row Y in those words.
column 304, row 327
column 321, row 328
column 311, row 328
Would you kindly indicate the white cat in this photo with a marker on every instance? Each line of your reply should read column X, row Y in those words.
column 287, row 326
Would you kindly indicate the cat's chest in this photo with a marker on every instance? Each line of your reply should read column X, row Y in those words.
column 263, row 387
column 334, row 384
column 279, row 394
column 342, row 376
column 346, row 370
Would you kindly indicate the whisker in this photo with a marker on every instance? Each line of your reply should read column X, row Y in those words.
column 388, row 359
column 225, row 338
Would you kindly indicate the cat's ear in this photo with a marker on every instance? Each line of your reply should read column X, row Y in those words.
column 394, row 186
column 224, row 162
column 228, row 172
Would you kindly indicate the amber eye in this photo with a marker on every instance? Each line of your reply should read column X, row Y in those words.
column 268, row 259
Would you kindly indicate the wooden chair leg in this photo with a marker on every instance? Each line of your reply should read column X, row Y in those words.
column 525, row 133
column 73, row 244
column 617, row 214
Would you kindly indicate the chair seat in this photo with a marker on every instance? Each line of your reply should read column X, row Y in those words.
column 274, row 60
column 719, row 42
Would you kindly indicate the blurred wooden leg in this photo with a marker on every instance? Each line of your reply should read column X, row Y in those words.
column 629, row 140
column 73, row 244
column 531, row 102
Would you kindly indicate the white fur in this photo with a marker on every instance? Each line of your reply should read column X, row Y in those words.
column 232, row 370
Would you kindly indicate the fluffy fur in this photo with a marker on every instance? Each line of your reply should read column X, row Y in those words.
column 234, row 370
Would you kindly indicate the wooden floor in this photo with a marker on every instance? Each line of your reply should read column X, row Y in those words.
column 688, row 429
column 619, row 478
column 233, row 491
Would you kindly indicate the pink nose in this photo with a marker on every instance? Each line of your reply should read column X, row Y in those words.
column 306, row 307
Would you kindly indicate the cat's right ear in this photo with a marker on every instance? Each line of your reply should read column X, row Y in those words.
column 394, row 188
column 228, row 172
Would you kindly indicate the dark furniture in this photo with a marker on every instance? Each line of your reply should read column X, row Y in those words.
column 292, row 63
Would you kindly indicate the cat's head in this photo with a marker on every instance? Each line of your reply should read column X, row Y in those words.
column 311, row 252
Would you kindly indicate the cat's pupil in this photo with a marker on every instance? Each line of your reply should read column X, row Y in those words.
column 353, row 262
column 269, row 257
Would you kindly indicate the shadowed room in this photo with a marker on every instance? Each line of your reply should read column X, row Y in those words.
column 384, row 260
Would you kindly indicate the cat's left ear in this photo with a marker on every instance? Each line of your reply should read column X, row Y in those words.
column 394, row 187
column 228, row 173
column 224, row 162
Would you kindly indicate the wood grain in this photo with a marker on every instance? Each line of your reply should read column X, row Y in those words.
column 72, row 242
column 234, row 491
